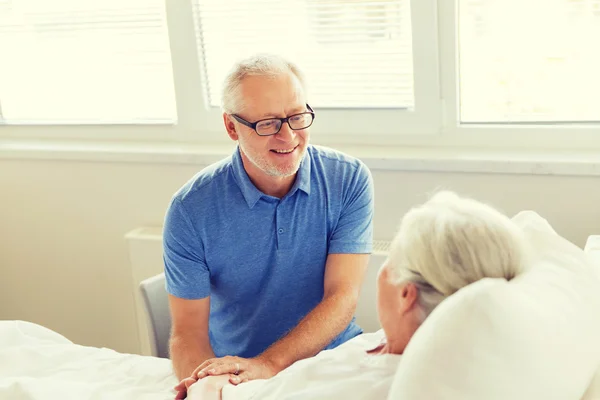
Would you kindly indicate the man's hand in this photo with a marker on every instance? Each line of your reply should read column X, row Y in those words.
column 241, row 369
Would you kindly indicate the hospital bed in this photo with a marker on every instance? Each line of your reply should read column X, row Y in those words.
column 39, row 364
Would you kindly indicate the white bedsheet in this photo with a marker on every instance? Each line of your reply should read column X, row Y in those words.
column 39, row 364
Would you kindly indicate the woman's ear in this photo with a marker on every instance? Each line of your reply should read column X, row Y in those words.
column 408, row 297
column 230, row 127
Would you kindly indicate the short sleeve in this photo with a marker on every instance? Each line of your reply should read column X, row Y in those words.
column 186, row 273
column 353, row 234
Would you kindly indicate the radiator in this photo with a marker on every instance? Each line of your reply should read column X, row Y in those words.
column 145, row 254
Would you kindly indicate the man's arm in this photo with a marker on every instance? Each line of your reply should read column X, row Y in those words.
column 344, row 275
column 188, row 284
column 343, row 279
column 189, row 344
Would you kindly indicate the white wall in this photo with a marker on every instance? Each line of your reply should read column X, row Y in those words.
column 64, row 260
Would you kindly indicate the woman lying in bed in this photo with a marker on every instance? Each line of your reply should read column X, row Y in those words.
column 441, row 246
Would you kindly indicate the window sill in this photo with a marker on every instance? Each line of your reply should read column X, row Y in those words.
column 396, row 158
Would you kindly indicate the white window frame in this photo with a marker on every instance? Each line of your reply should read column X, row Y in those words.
column 434, row 123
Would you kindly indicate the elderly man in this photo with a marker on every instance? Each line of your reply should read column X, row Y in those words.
column 265, row 251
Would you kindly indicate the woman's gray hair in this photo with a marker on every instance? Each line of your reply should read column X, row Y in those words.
column 257, row 65
column 450, row 242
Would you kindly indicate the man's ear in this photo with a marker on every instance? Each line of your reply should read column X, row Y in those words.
column 230, row 127
column 408, row 297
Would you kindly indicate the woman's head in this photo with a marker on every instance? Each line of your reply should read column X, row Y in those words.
column 440, row 247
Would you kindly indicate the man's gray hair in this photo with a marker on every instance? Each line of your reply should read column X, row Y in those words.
column 257, row 65
column 450, row 242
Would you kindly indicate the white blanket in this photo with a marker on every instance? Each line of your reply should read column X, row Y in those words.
column 39, row 364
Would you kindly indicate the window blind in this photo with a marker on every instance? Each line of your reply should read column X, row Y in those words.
column 85, row 61
column 355, row 53
column 529, row 61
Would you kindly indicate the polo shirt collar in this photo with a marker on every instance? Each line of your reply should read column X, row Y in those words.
column 302, row 181
column 249, row 191
column 252, row 194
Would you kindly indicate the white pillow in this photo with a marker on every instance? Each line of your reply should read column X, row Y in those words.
column 593, row 392
column 593, row 249
column 535, row 337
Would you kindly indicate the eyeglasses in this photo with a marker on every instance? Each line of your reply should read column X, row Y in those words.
column 272, row 126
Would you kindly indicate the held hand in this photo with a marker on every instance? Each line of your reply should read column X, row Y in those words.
column 207, row 388
column 182, row 388
column 242, row 369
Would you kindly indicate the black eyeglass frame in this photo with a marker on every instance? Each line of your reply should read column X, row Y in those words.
column 253, row 125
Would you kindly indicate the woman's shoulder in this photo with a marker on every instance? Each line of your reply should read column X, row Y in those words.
column 364, row 341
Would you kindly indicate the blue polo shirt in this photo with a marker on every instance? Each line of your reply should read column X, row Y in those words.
column 261, row 259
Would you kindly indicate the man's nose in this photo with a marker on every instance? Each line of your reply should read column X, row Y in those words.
column 286, row 134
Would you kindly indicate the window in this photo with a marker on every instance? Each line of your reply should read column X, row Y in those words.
column 355, row 53
column 140, row 61
column 85, row 61
column 421, row 73
column 533, row 61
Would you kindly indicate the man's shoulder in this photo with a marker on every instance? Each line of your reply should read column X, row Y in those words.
column 335, row 165
column 205, row 183
column 332, row 158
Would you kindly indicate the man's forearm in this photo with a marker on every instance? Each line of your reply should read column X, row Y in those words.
column 187, row 353
column 314, row 332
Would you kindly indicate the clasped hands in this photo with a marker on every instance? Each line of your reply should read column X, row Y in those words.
column 239, row 370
